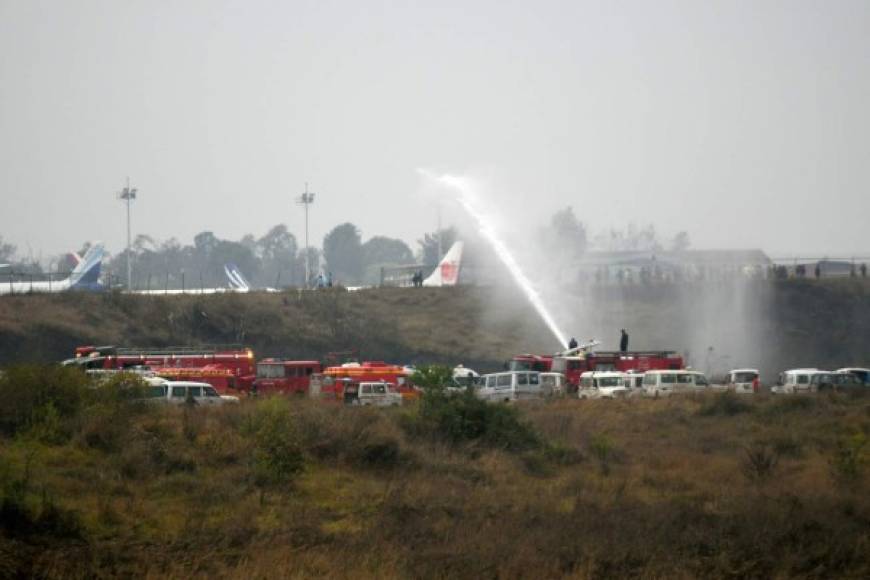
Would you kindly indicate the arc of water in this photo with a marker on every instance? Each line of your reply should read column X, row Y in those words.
column 465, row 196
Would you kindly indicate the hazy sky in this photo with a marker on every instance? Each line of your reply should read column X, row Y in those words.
column 745, row 123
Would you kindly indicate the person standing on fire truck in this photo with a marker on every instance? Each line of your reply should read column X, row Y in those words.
column 623, row 341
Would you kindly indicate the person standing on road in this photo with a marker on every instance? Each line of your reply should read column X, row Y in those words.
column 623, row 342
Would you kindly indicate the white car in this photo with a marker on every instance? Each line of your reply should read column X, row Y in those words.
column 510, row 386
column 796, row 381
column 663, row 383
column 602, row 385
column 743, row 381
column 181, row 392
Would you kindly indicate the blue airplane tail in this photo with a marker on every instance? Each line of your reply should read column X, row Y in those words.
column 86, row 275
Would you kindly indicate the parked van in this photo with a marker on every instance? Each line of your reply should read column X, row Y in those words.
column 601, row 385
column 633, row 384
column 861, row 373
column 510, row 386
column 372, row 394
column 662, row 383
column 743, row 381
column 180, row 392
column 796, row 381
column 553, row 384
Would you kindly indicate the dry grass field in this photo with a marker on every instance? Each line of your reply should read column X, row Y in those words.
column 697, row 486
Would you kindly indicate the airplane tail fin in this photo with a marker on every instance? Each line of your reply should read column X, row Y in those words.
column 447, row 272
column 87, row 271
column 237, row 280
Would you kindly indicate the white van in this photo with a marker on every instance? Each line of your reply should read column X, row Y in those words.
column 601, row 385
column 179, row 392
column 633, row 384
column 796, row 381
column 743, row 381
column 510, row 386
column 380, row 394
column 862, row 373
column 553, row 384
column 661, row 383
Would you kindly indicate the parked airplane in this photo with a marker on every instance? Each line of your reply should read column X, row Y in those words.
column 447, row 272
column 85, row 276
column 236, row 282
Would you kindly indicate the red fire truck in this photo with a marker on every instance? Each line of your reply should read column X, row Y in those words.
column 289, row 377
column 572, row 366
column 227, row 368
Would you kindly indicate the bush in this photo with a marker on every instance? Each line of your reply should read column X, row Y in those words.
column 847, row 464
column 277, row 455
column 726, row 404
column 462, row 417
column 40, row 398
column 759, row 462
column 602, row 449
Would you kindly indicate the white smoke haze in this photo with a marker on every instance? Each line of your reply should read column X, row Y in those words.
column 717, row 323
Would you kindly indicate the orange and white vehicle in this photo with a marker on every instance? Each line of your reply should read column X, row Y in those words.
column 335, row 379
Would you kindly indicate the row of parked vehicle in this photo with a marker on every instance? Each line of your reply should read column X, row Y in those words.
column 518, row 385
column 816, row 380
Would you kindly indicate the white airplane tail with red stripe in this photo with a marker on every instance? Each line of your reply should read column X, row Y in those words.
column 447, row 272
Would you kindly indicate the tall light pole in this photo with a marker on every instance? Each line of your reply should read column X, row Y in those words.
column 128, row 194
column 306, row 199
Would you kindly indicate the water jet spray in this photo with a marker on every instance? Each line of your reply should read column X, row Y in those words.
column 465, row 195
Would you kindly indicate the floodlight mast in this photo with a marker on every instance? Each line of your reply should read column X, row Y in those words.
column 128, row 194
column 306, row 199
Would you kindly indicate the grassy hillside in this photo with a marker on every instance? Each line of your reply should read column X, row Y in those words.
column 770, row 325
column 713, row 486
column 391, row 323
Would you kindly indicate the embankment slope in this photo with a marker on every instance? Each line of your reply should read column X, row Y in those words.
column 773, row 325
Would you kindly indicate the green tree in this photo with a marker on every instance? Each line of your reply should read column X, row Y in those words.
column 278, row 256
column 381, row 251
column 342, row 249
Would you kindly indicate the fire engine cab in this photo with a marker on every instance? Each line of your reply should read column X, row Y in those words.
column 288, row 377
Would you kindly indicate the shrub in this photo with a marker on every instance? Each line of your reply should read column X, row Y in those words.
column 40, row 397
column 432, row 376
column 847, row 464
column 277, row 455
column 462, row 417
column 106, row 419
column 759, row 462
column 726, row 404
column 602, row 449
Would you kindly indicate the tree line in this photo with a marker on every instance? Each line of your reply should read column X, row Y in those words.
column 277, row 260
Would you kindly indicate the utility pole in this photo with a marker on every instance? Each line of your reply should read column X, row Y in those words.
column 128, row 194
column 306, row 199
